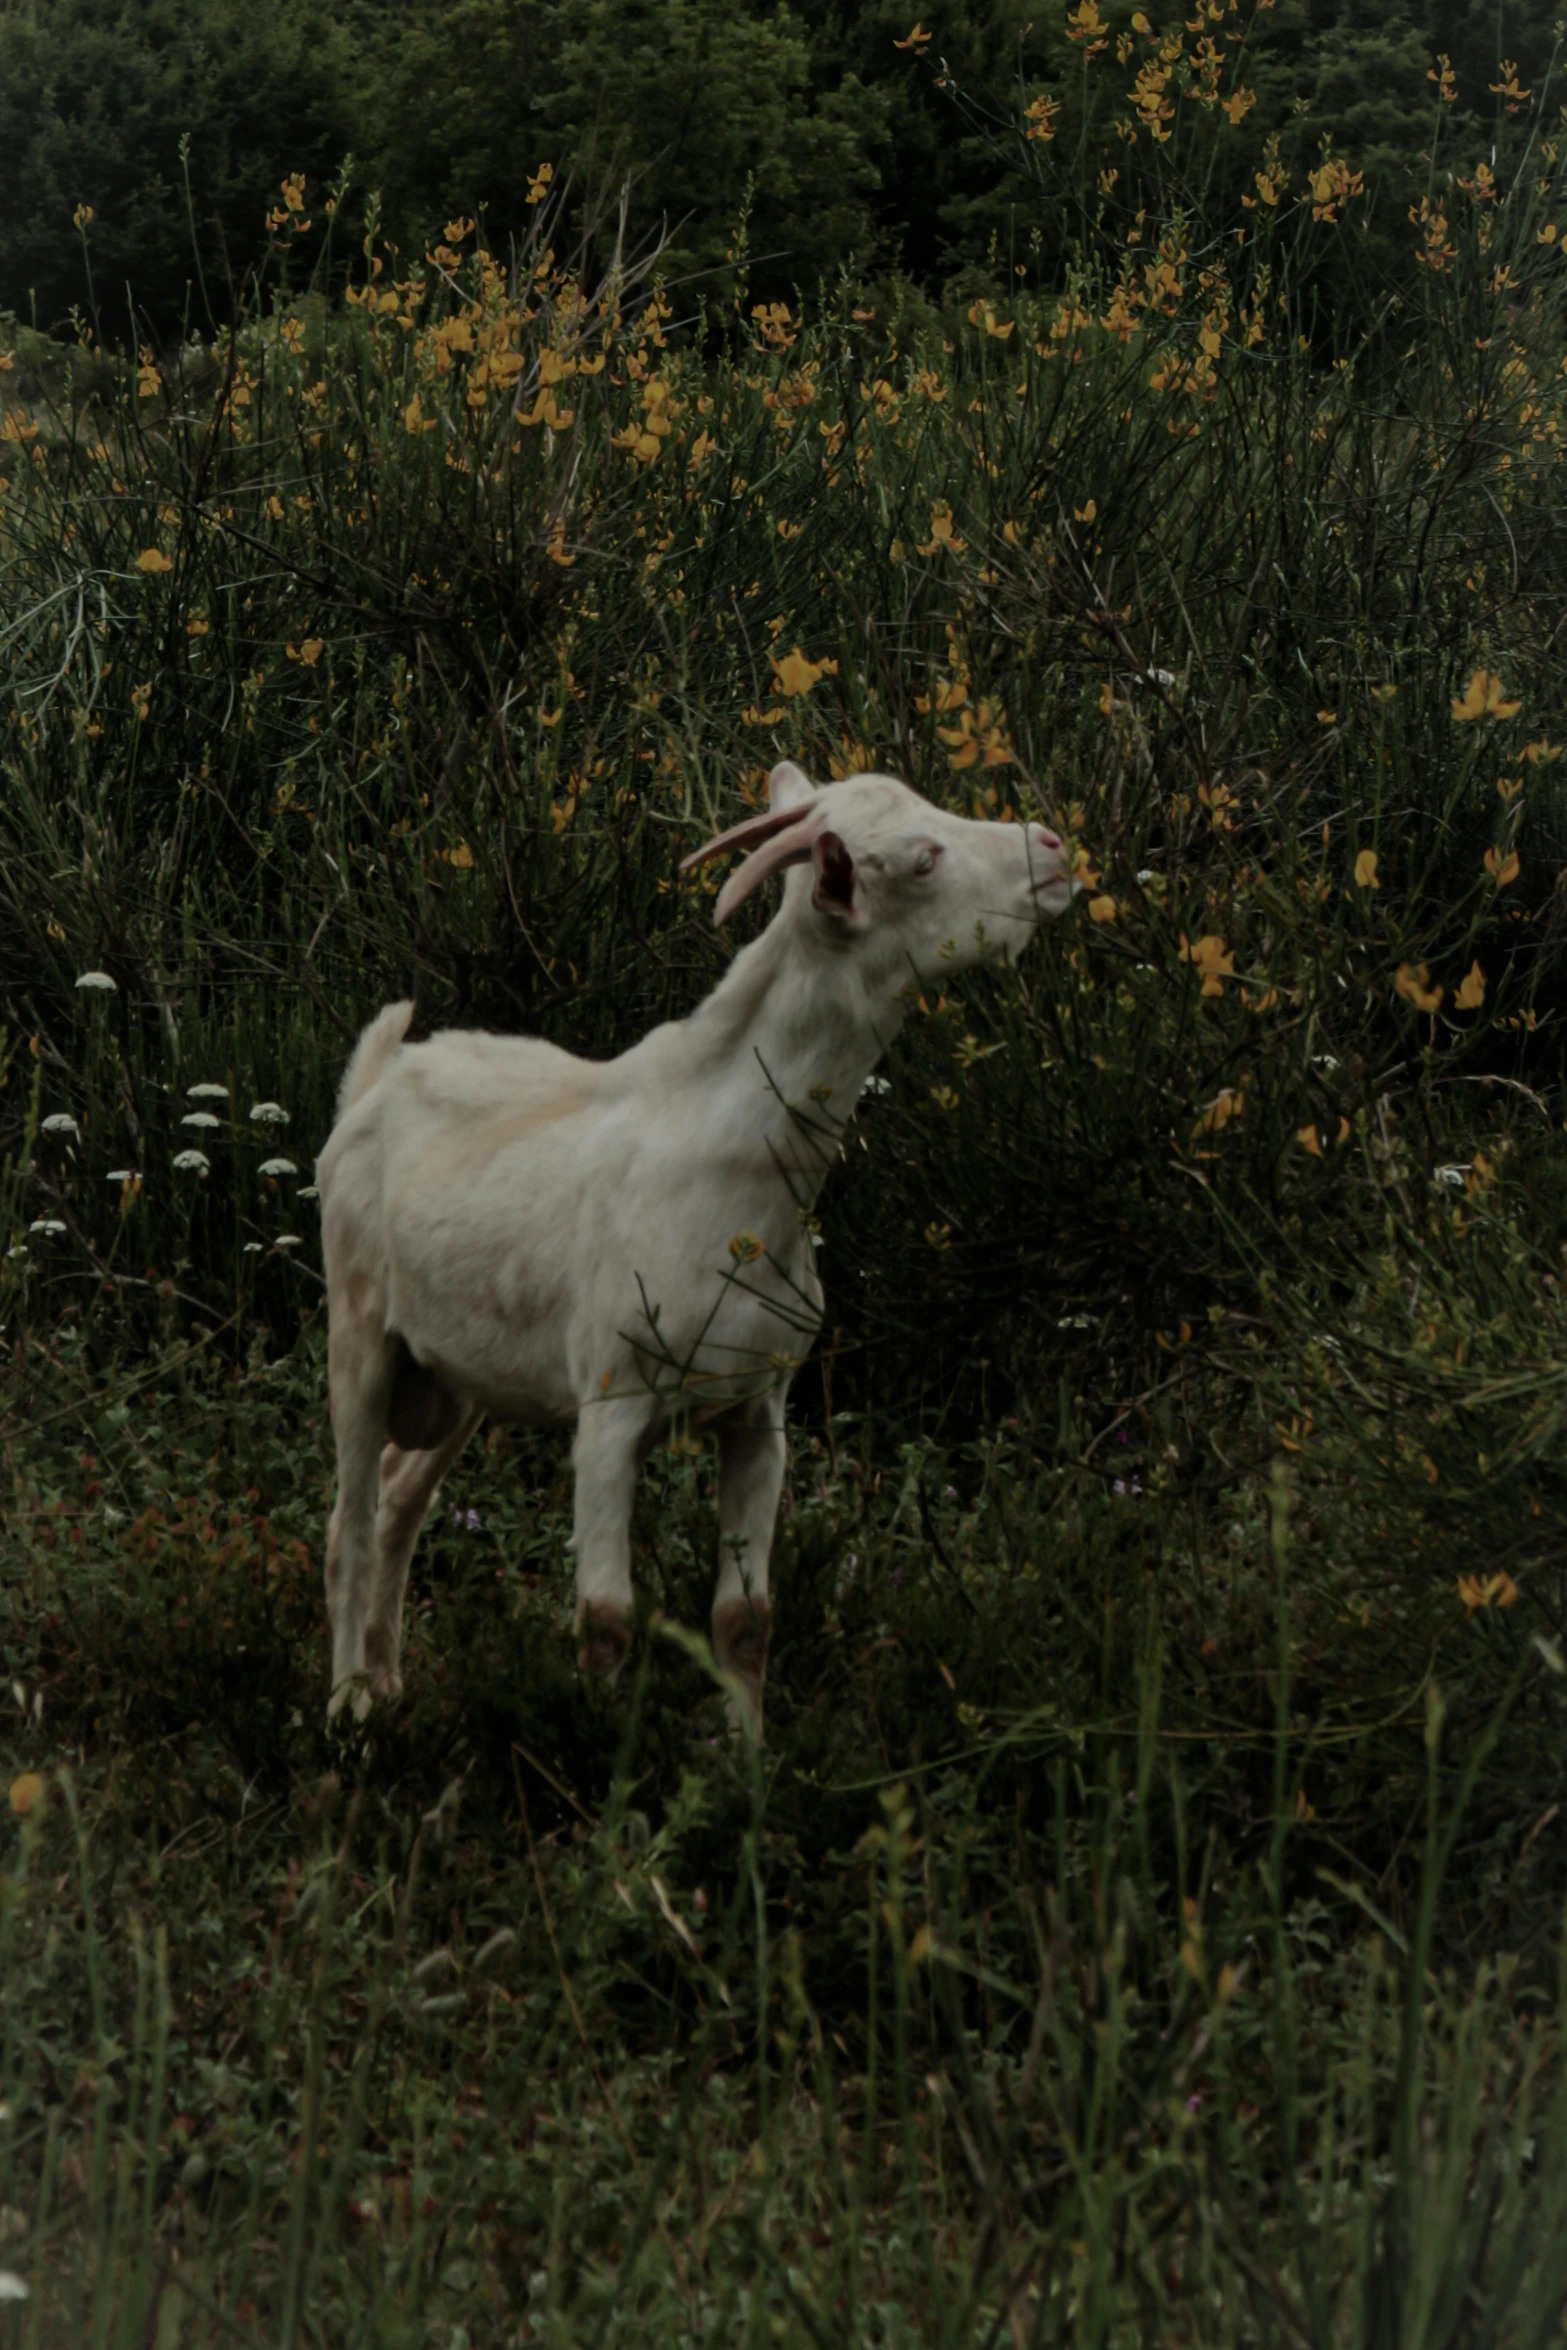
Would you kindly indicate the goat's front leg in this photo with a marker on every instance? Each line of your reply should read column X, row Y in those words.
column 752, row 1455
column 605, row 1458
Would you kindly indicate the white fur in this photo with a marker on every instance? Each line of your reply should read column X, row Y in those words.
column 551, row 1237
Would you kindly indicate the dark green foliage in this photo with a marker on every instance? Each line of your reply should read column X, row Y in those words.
column 173, row 120
column 839, row 147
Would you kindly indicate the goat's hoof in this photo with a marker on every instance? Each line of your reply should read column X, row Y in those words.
column 605, row 1641
column 352, row 1698
column 740, row 1636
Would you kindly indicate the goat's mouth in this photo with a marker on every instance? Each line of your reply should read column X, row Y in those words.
column 1053, row 891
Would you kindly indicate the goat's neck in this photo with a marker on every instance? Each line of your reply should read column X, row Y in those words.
column 793, row 1030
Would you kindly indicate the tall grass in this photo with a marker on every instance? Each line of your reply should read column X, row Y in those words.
column 1144, row 1925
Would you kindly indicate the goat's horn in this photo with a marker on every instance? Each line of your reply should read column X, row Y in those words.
column 774, row 856
column 748, row 835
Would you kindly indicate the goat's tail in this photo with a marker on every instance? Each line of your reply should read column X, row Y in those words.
column 371, row 1054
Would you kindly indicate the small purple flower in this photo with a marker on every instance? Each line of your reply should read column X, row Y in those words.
column 1122, row 1437
column 469, row 1521
column 1194, row 2102
column 952, row 1493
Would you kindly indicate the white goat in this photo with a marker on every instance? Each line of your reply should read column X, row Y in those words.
column 509, row 1229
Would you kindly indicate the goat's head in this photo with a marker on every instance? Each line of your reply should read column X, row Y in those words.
column 891, row 876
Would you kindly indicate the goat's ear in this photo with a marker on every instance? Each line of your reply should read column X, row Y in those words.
column 839, row 890
column 789, row 787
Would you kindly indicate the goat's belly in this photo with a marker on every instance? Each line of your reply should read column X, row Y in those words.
column 513, row 1369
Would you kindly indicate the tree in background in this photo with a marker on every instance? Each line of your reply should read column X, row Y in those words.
column 95, row 99
column 704, row 107
column 850, row 141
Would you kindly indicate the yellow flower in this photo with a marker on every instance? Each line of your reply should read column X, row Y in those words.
column 979, row 738
column 1471, row 991
column 1483, row 699
column 539, row 183
column 309, row 652
column 1498, row 1590
column 1502, row 869
column 154, row 559
column 644, row 446
column 1306, row 1136
column 82, row 215
column 917, row 40
column 461, row 857
column 745, row 1248
column 1208, row 956
column 25, row 1792
column 1366, row 870
column 414, row 419
column 1416, row 988
column 942, row 533
column 1227, row 1103
column 1101, row 909
column 794, row 674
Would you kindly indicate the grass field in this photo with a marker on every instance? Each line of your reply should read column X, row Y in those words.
column 1144, row 1923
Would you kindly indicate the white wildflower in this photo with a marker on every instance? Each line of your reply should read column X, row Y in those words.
column 123, row 1175
column 277, row 1167
column 46, row 1224
column 206, row 1093
column 308, row 1191
column 11, row 2286
column 99, row 980
column 200, row 1118
column 61, row 1122
column 288, row 1240
column 198, row 1160
column 252, row 1248
column 269, row 1113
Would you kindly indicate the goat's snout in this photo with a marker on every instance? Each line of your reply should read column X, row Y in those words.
column 1043, row 838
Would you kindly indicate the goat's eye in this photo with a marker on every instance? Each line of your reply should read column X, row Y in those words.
column 925, row 862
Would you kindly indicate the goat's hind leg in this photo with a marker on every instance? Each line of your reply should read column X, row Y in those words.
column 410, row 1480
column 360, row 1359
